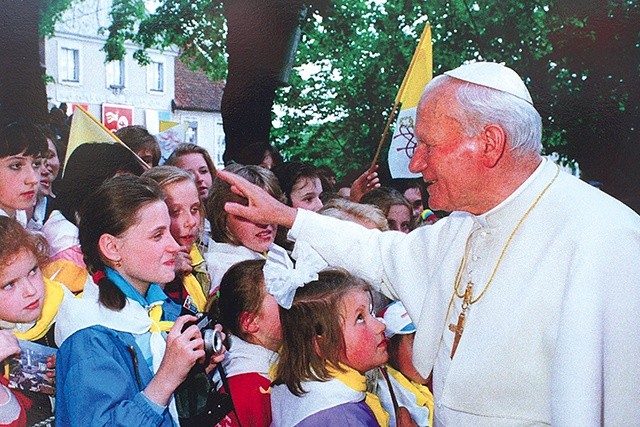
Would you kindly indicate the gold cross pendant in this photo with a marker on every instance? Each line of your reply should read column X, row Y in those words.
column 459, row 327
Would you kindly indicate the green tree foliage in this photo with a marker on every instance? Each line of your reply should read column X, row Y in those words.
column 197, row 27
column 337, row 115
column 581, row 61
column 359, row 53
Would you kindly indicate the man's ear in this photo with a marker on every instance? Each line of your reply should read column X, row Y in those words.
column 249, row 322
column 495, row 143
column 109, row 247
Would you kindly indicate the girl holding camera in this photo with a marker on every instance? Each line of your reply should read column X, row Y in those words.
column 121, row 357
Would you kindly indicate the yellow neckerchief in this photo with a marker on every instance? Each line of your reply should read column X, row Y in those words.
column 194, row 289
column 355, row 380
column 200, row 272
column 423, row 395
column 66, row 272
column 157, row 325
column 53, row 295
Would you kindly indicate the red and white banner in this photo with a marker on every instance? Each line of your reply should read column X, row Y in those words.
column 115, row 117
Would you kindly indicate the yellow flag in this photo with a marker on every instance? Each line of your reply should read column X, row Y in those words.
column 403, row 142
column 419, row 73
column 85, row 128
column 166, row 124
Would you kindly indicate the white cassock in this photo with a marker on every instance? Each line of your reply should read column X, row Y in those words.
column 554, row 340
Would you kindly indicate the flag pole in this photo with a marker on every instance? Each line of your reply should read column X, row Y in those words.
column 384, row 134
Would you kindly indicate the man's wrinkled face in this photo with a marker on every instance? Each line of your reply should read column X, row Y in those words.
column 446, row 157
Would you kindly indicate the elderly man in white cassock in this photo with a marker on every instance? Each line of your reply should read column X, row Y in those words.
column 526, row 303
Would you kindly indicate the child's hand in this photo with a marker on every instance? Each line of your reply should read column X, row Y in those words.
column 262, row 208
column 364, row 183
column 51, row 366
column 404, row 418
column 218, row 358
column 8, row 345
column 183, row 350
column 183, row 262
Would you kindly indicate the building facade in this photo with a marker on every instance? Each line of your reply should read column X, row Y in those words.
column 120, row 93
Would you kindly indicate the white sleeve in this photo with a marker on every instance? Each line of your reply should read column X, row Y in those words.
column 9, row 410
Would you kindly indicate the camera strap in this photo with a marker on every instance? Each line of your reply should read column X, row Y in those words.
column 225, row 384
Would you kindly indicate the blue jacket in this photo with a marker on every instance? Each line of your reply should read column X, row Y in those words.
column 100, row 377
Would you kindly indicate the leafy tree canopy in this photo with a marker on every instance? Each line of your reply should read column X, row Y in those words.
column 581, row 61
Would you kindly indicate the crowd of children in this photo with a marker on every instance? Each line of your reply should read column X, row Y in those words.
column 112, row 263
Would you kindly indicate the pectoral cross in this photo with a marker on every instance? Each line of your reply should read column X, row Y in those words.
column 459, row 327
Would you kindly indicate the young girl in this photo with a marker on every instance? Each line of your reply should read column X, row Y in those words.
column 186, row 212
column 21, row 147
column 235, row 238
column 394, row 205
column 196, row 160
column 28, row 305
column 141, row 142
column 409, row 387
column 301, row 185
column 251, row 318
column 330, row 340
column 48, row 174
column 114, row 365
column 368, row 216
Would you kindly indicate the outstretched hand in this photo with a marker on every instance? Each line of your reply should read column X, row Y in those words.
column 261, row 207
column 364, row 183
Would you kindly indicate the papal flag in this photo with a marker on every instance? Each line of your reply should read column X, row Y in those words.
column 171, row 134
column 403, row 142
column 85, row 128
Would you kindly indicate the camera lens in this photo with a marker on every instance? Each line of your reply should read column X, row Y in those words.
column 212, row 341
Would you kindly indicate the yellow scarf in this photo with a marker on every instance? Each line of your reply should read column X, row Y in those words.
column 157, row 325
column 355, row 380
column 194, row 289
column 200, row 271
column 423, row 395
column 66, row 272
column 53, row 294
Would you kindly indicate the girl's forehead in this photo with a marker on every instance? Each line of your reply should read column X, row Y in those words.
column 305, row 181
column 355, row 298
column 182, row 187
column 19, row 156
column 23, row 253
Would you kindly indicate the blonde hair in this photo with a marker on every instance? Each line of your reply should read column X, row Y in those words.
column 355, row 212
column 167, row 175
